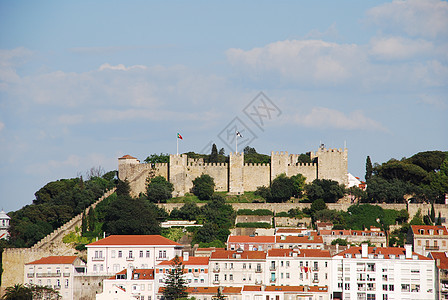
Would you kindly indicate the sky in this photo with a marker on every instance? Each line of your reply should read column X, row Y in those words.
column 83, row 83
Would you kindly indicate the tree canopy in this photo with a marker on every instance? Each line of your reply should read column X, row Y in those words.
column 159, row 189
column 203, row 187
column 175, row 284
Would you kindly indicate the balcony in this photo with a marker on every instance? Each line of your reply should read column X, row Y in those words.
column 315, row 280
column 315, row 269
column 258, row 281
column 432, row 248
column 272, row 280
column 258, row 270
column 216, row 270
column 272, row 268
column 130, row 258
column 30, row 275
column 97, row 258
column 39, row 275
column 215, row 281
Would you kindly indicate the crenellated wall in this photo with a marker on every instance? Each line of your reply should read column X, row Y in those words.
column 235, row 177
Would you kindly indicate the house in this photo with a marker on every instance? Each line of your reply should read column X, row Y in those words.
column 129, row 284
column 441, row 259
column 237, row 268
column 196, row 270
column 311, row 267
column 57, row 272
column 250, row 242
column 383, row 273
column 118, row 252
column 428, row 238
column 312, row 241
column 374, row 236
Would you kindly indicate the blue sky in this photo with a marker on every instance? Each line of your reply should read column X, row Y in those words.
column 83, row 83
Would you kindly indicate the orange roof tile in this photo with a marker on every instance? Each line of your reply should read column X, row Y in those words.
column 386, row 251
column 290, row 230
column 252, row 288
column 145, row 274
column 441, row 259
column 51, row 260
column 127, row 157
column 229, row 254
column 231, row 290
column 251, row 239
column 313, row 239
column 134, row 240
column 192, row 261
column 301, row 288
column 417, row 228
column 300, row 253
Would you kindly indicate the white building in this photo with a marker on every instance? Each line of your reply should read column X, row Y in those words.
column 285, row 293
column 56, row 272
column 306, row 267
column 311, row 241
column 237, row 268
column 4, row 225
column 129, row 285
column 383, row 273
column 428, row 238
column 117, row 252
column 196, row 270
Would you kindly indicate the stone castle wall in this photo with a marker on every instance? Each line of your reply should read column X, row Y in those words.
column 13, row 259
column 235, row 177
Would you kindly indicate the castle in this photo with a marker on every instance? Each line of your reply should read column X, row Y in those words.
column 235, row 177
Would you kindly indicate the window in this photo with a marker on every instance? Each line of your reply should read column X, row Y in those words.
column 141, row 253
column 347, row 286
column 281, row 263
column 244, row 266
column 391, row 287
column 385, row 297
column 287, row 264
column 405, row 287
column 250, row 266
column 130, row 253
column 316, row 276
column 419, row 243
column 216, row 277
column 66, row 283
column 384, row 287
column 112, row 254
column 58, row 282
column 326, row 264
column 120, row 254
column 94, row 269
column 225, row 277
column 231, row 277
column 147, row 253
column 301, row 276
column 370, row 296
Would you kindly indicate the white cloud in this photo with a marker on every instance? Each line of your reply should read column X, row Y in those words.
column 120, row 67
column 428, row 18
column 326, row 118
column 437, row 102
column 399, row 48
column 9, row 60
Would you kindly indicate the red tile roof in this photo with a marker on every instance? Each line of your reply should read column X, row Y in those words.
column 441, row 259
column 313, row 239
column 343, row 232
column 252, row 288
column 210, row 290
column 51, row 260
column 251, row 239
column 386, row 251
column 417, row 228
column 229, row 254
column 300, row 253
column 134, row 240
column 127, row 157
column 192, row 261
column 301, row 288
column 145, row 274
column 290, row 230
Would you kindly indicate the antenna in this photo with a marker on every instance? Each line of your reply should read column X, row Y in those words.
column 345, row 144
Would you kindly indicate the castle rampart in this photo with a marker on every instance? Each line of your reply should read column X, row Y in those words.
column 235, row 177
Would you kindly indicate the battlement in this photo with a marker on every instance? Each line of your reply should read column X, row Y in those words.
column 256, row 165
column 199, row 164
column 305, row 164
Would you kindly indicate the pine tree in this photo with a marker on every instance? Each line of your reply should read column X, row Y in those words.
column 83, row 222
column 369, row 168
column 433, row 213
column 214, row 154
column 91, row 220
column 439, row 219
column 219, row 295
column 175, row 284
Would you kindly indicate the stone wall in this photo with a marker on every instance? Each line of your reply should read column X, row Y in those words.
column 255, row 175
column 86, row 287
column 14, row 259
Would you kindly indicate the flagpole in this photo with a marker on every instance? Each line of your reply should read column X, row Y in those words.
column 177, row 140
column 236, row 145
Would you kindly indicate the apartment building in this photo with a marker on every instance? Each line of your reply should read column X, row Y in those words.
column 441, row 260
column 375, row 237
column 117, row 252
column 250, row 242
column 196, row 270
column 311, row 241
column 427, row 238
column 372, row 273
column 129, row 284
column 237, row 268
column 57, row 272
column 306, row 267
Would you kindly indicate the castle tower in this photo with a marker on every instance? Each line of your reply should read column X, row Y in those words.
column 4, row 225
column 178, row 174
column 279, row 164
column 125, row 164
column 332, row 164
column 236, row 166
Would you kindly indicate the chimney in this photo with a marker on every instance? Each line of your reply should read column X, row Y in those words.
column 364, row 250
column 408, row 248
column 129, row 273
column 186, row 256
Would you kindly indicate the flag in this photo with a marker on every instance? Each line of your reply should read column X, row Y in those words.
column 238, row 134
column 179, row 136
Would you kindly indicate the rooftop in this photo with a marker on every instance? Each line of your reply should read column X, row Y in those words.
column 50, row 260
column 229, row 254
column 300, row 253
column 134, row 240
column 426, row 229
column 251, row 239
column 192, row 261
column 143, row 274
column 291, row 239
column 441, row 259
column 388, row 252
column 300, row 288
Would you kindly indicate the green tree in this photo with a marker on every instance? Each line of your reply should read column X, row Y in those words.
column 83, row 222
column 203, row 187
column 369, row 168
column 432, row 215
column 222, row 151
column 299, row 184
column 318, row 205
column 430, row 161
column 18, row 292
column 159, row 189
column 339, row 241
column 304, row 158
column 214, row 154
column 91, row 220
column 219, row 295
column 175, row 284
column 328, row 190
column 282, row 189
column 439, row 219
column 158, row 158
column 417, row 219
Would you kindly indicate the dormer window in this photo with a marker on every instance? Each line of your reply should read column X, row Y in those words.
column 440, row 232
column 422, row 231
column 431, row 231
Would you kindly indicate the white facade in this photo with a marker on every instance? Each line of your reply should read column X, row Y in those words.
column 363, row 273
column 118, row 252
column 129, row 284
column 4, row 225
column 57, row 272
